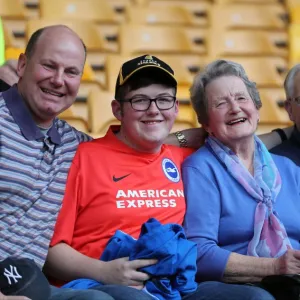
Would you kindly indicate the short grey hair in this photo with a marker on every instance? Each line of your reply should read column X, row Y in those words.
column 289, row 82
column 214, row 70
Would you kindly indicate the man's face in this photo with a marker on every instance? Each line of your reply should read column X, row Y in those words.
column 292, row 106
column 50, row 78
column 146, row 131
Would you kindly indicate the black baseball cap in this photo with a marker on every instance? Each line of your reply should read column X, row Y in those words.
column 22, row 277
column 137, row 64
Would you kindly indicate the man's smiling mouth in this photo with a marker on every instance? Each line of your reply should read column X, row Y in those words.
column 46, row 91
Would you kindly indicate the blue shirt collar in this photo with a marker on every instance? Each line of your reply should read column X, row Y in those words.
column 23, row 118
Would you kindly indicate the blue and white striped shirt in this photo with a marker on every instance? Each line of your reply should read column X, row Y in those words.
column 33, row 173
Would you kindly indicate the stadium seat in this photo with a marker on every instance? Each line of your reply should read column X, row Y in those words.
column 141, row 39
column 112, row 68
column 200, row 11
column 90, row 10
column 272, row 114
column 119, row 7
column 265, row 71
column 250, row 16
column 249, row 43
column 106, row 14
column 199, row 39
column 295, row 14
column 71, row 116
column 31, row 8
column 13, row 15
column 140, row 2
column 173, row 15
column 13, row 53
column 294, row 44
column 97, row 37
column 273, row 111
column 13, row 9
column 16, row 32
column 88, row 73
column 245, row 1
column 81, row 111
column 291, row 3
column 8, row 37
column 84, row 90
column 97, row 61
column 185, row 66
column 99, row 111
column 186, row 117
column 86, row 30
column 148, row 2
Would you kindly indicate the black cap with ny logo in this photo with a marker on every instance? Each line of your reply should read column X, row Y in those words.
column 22, row 277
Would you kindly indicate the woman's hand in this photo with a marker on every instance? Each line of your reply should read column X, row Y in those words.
column 289, row 263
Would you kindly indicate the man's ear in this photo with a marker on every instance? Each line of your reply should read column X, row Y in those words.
column 22, row 62
column 117, row 109
column 289, row 108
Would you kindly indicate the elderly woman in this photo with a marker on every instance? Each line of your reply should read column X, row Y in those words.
column 243, row 204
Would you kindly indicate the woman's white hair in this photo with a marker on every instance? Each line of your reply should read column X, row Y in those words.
column 216, row 69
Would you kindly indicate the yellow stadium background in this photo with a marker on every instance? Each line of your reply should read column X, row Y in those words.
column 262, row 35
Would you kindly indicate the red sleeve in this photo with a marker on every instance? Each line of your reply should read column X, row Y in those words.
column 66, row 220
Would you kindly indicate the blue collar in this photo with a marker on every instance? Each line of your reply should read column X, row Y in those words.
column 23, row 118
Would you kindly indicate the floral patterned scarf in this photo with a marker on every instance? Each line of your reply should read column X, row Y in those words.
column 270, row 238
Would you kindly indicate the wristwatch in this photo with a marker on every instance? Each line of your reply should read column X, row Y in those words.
column 181, row 139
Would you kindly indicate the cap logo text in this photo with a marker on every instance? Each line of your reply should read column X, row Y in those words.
column 12, row 274
column 148, row 60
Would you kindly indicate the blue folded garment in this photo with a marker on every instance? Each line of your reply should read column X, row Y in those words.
column 172, row 277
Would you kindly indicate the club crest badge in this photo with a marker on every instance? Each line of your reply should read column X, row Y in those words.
column 170, row 170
